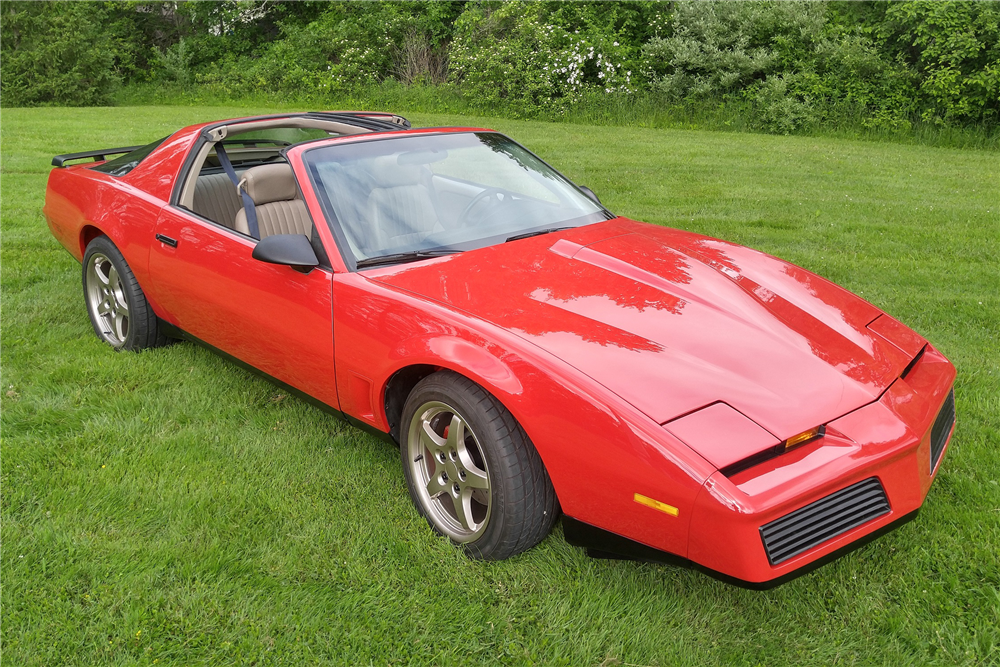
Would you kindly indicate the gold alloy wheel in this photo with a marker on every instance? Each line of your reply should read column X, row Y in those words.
column 106, row 300
column 449, row 472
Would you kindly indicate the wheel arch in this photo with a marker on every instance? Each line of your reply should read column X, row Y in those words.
column 602, row 442
column 88, row 233
column 396, row 390
column 445, row 353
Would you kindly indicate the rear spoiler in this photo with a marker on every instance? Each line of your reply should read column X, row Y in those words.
column 99, row 156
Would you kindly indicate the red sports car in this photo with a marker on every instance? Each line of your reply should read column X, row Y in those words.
column 674, row 397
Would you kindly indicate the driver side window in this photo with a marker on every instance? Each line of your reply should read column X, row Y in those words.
column 213, row 195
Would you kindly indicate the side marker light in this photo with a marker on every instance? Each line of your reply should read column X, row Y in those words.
column 655, row 504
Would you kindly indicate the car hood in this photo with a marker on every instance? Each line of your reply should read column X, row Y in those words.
column 672, row 321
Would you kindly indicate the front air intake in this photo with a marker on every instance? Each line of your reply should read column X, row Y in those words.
column 823, row 520
column 942, row 428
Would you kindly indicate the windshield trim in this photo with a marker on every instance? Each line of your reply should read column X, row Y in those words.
column 330, row 215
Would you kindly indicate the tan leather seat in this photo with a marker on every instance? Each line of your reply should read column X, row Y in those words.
column 400, row 206
column 215, row 198
column 272, row 188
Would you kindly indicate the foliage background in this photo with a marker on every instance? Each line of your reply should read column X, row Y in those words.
column 782, row 67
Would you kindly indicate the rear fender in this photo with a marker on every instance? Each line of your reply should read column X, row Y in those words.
column 81, row 204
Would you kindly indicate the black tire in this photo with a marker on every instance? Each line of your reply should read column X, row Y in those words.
column 119, row 312
column 518, row 506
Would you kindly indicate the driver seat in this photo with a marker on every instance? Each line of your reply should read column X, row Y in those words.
column 275, row 195
column 400, row 207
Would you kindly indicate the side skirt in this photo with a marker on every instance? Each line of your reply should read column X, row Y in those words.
column 601, row 543
column 175, row 332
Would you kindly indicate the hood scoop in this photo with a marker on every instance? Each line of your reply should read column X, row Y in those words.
column 589, row 255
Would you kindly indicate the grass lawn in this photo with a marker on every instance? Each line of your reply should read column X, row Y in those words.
column 170, row 508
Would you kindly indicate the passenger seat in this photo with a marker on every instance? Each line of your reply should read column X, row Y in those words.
column 400, row 207
column 272, row 188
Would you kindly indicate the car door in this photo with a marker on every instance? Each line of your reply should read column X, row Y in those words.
column 269, row 316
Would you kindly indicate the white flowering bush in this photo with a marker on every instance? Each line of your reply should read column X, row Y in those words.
column 585, row 64
column 514, row 59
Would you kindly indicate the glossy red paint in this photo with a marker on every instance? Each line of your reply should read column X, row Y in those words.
column 638, row 309
column 638, row 359
column 269, row 316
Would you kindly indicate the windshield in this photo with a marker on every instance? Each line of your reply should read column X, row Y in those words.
column 456, row 191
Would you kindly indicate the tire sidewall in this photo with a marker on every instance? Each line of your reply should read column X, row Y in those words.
column 447, row 388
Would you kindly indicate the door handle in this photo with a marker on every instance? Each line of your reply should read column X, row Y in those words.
column 166, row 239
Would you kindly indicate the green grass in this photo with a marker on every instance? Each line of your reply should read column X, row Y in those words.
column 169, row 508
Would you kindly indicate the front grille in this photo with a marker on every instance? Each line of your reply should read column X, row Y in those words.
column 823, row 520
column 942, row 428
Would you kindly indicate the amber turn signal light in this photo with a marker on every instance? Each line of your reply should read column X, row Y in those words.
column 804, row 437
column 655, row 504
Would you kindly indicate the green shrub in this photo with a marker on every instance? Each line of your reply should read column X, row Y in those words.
column 55, row 53
column 174, row 64
column 778, row 108
column 721, row 47
column 788, row 60
column 748, row 49
column 347, row 47
column 955, row 48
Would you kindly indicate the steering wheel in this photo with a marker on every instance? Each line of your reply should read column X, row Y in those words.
column 484, row 195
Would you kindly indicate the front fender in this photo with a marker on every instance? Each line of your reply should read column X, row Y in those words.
column 598, row 451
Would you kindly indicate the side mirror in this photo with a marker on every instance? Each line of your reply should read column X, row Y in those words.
column 292, row 250
column 590, row 193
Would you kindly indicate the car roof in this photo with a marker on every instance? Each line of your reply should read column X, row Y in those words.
column 370, row 120
column 377, row 124
column 177, row 147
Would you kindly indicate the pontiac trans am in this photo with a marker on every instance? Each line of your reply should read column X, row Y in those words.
column 672, row 397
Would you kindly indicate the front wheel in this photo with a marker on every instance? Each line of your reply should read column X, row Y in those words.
column 471, row 470
column 118, row 309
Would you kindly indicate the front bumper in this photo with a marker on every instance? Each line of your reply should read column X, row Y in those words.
column 888, row 443
column 883, row 452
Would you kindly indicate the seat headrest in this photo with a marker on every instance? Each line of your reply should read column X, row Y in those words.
column 388, row 173
column 268, row 183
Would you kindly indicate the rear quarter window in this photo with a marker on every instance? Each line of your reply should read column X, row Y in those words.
column 124, row 164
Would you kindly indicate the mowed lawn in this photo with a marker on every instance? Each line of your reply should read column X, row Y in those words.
column 170, row 508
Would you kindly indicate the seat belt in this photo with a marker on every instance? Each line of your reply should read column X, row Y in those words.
column 248, row 206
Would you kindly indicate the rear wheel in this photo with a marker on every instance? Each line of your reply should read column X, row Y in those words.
column 471, row 470
column 118, row 309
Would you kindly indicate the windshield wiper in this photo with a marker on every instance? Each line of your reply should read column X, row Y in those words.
column 399, row 257
column 537, row 232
